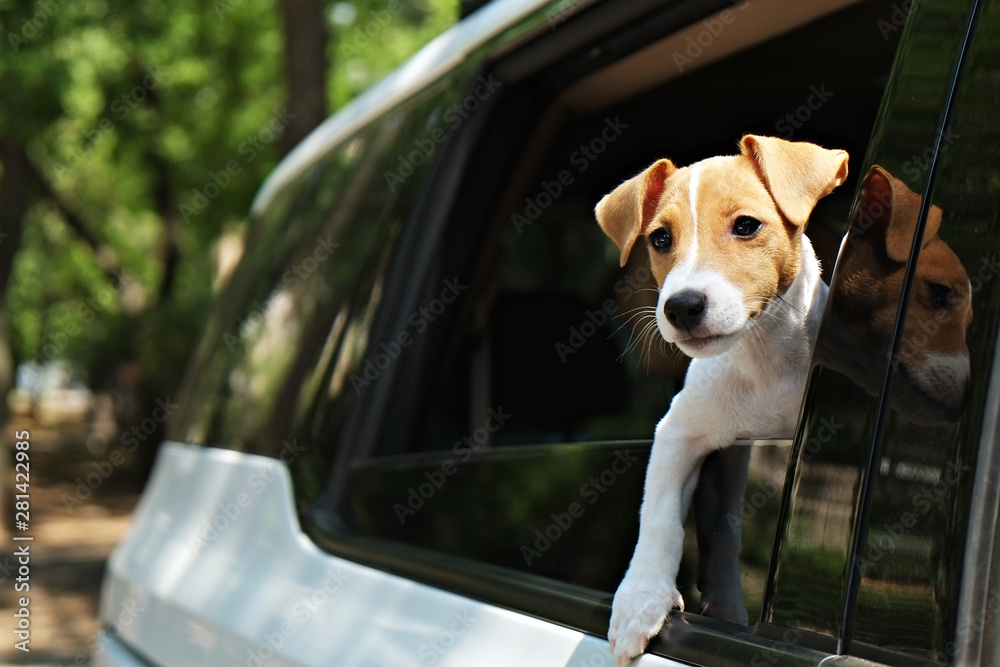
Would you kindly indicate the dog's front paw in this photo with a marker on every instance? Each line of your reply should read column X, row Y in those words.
column 638, row 612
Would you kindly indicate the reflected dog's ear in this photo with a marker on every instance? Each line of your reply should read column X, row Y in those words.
column 889, row 205
column 796, row 173
column 625, row 212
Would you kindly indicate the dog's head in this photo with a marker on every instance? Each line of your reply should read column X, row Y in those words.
column 724, row 234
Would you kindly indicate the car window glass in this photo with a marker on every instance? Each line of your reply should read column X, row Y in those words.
column 273, row 373
column 915, row 543
column 814, row 563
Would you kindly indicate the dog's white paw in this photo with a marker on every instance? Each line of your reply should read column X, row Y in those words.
column 638, row 612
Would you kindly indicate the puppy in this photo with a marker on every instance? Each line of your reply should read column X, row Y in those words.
column 932, row 366
column 740, row 293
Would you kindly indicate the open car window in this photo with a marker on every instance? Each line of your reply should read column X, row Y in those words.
column 525, row 395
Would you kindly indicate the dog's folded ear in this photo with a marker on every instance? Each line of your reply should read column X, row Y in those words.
column 796, row 173
column 890, row 207
column 625, row 212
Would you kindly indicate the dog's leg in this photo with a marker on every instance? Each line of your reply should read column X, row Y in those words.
column 718, row 505
column 648, row 592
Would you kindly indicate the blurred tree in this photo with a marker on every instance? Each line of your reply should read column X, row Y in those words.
column 134, row 135
column 305, row 68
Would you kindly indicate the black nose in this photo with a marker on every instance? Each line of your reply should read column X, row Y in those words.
column 686, row 309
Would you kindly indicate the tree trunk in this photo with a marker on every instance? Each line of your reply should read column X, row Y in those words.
column 305, row 69
column 166, row 206
column 13, row 206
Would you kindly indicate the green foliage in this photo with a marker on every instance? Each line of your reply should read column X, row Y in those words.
column 155, row 123
column 371, row 37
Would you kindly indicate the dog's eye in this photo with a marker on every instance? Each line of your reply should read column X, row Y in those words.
column 940, row 295
column 746, row 226
column 661, row 240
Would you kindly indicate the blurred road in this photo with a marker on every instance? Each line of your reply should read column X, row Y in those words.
column 80, row 508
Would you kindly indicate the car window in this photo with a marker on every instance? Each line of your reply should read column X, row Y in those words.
column 875, row 518
column 517, row 424
column 273, row 373
column 915, row 547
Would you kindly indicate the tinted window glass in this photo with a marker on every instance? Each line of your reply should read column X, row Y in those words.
column 814, row 563
column 273, row 372
column 912, row 563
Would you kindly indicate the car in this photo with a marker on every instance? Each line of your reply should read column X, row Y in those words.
column 415, row 430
